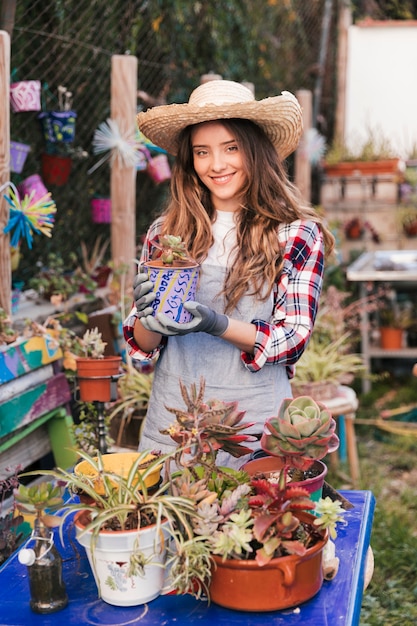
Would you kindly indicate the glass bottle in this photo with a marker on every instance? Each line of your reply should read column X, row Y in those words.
column 44, row 565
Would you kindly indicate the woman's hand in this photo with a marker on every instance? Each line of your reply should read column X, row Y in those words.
column 205, row 320
column 143, row 294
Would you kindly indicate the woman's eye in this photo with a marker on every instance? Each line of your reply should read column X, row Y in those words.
column 233, row 148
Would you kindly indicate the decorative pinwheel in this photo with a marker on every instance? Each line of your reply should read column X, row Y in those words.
column 29, row 216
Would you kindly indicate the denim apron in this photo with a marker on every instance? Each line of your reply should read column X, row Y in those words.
column 197, row 355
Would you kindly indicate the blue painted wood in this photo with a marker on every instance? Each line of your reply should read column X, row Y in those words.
column 338, row 602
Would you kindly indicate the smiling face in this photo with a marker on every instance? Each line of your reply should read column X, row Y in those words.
column 219, row 163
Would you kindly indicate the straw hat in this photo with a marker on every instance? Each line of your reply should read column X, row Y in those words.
column 279, row 116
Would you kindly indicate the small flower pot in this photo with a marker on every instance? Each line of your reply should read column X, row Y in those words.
column 31, row 184
column 267, row 464
column 58, row 126
column 18, row 154
column 391, row 338
column 25, row 95
column 173, row 286
column 56, row 169
column 158, row 168
column 109, row 558
column 95, row 378
column 101, row 210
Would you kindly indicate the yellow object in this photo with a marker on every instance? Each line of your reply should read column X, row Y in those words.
column 119, row 463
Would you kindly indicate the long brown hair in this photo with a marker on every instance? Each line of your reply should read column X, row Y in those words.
column 270, row 199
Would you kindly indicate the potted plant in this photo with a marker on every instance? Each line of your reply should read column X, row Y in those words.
column 174, row 275
column 128, row 412
column 262, row 539
column 13, row 527
column 374, row 156
column 96, row 373
column 7, row 333
column 394, row 319
column 44, row 563
column 130, row 531
column 408, row 221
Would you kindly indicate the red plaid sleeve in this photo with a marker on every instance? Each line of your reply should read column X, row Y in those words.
column 284, row 337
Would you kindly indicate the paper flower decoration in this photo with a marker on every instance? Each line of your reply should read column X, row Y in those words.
column 313, row 146
column 110, row 140
column 29, row 216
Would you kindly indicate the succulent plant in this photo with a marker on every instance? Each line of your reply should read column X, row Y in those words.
column 205, row 427
column 302, row 432
column 172, row 249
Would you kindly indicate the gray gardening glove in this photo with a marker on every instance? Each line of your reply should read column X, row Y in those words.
column 205, row 320
column 143, row 294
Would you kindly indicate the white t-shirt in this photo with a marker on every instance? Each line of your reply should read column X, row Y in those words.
column 224, row 233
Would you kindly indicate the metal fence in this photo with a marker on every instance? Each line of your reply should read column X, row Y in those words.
column 275, row 45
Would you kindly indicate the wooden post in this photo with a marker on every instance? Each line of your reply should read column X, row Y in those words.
column 5, row 264
column 123, row 179
column 345, row 20
column 302, row 176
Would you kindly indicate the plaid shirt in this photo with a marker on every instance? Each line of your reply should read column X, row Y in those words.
column 283, row 338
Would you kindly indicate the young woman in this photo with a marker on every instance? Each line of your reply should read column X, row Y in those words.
column 260, row 247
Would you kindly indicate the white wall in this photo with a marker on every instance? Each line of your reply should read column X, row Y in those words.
column 381, row 85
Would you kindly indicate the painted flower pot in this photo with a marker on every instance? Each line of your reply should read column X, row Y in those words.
column 267, row 464
column 32, row 184
column 109, row 561
column 56, row 169
column 173, row 286
column 95, row 378
column 58, row 125
column 158, row 168
column 18, row 154
column 280, row 584
column 101, row 210
column 25, row 95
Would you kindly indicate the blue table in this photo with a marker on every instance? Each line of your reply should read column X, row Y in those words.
column 338, row 602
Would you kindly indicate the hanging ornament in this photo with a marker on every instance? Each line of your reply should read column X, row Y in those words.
column 116, row 145
column 313, row 146
column 28, row 216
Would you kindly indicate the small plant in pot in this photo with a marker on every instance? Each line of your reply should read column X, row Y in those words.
column 142, row 527
column 96, row 373
column 174, row 275
column 40, row 555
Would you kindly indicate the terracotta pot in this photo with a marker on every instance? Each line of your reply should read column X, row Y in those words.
column 282, row 583
column 364, row 168
column 95, row 377
column 173, row 287
column 391, row 338
column 267, row 464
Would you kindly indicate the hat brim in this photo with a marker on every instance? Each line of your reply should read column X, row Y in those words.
column 279, row 116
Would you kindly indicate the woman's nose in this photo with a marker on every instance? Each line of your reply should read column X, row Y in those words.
column 218, row 161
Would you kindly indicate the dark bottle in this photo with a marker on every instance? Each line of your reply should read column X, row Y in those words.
column 44, row 565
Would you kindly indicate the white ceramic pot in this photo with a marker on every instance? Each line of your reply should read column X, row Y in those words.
column 109, row 562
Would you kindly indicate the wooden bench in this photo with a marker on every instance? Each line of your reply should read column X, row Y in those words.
column 35, row 416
